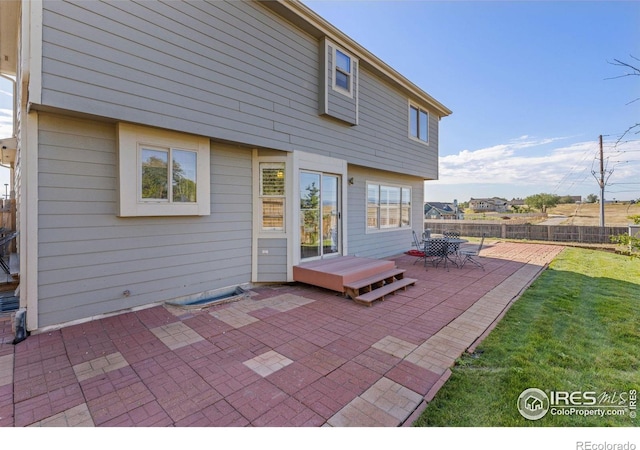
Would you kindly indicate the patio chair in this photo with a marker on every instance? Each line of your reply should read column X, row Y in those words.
column 472, row 255
column 417, row 252
column 435, row 250
column 453, row 249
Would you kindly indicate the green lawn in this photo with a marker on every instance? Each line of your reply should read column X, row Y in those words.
column 576, row 329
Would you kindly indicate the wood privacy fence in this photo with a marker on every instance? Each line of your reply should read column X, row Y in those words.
column 555, row 233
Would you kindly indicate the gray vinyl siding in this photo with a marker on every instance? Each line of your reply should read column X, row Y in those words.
column 333, row 103
column 380, row 244
column 233, row 71
column 88, row 257
column 342, row 107
column 272, row 266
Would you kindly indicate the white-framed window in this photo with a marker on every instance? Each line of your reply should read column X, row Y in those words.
column 167, row 174
column 418, row 123
column 388, row 206
column 272, row 195
column 162, row 173
column 342, row 72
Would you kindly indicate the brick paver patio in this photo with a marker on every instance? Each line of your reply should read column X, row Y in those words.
column 288, row 355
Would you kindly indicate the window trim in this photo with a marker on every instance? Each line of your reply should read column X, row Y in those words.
column 347, row 92
column 378, row 228
column 131, row 140
column 413, row 106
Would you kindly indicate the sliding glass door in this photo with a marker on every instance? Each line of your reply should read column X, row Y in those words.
column 320, row 234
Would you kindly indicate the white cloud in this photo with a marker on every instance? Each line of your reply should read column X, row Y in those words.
column 527, row 165
column 519, row 161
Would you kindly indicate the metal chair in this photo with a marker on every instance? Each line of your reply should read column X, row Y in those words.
column 472, row 255
column 417, row 252
column 453, row 249
column 435, row 250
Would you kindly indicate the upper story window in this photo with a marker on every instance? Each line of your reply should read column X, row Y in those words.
column 342, row 74
column 339, row 83
column 418, row 123
column 162, row 173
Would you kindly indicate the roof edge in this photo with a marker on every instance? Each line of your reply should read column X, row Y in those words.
column 307, row 19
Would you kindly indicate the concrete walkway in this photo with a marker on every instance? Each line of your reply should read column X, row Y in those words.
column 289, row 355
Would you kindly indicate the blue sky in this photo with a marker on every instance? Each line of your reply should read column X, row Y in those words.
column 527, row 83
column 530, row 85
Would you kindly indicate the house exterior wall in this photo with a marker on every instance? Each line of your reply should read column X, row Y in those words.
column 88, row 257
column 228, row 70
column 235, row 73
column 383, row 243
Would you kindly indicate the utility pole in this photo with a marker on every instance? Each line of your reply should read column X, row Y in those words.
column 601, row 183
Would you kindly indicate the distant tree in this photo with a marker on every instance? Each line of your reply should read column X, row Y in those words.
column 566, row 199
column 591, row 198
column 632, row 70
column 542, row 201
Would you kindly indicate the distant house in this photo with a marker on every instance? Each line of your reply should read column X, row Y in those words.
column 437, row 210
column 166, row 151
column 494, row 204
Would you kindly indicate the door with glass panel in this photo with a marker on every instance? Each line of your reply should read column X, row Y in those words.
column 320, row 234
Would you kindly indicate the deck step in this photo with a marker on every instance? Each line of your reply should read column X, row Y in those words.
column 355, row 288
column 381, row 292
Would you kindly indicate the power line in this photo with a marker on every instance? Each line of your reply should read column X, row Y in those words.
column 566, row 177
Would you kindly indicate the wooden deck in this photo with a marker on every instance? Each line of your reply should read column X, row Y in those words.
column 354, row 277
column 335, row 273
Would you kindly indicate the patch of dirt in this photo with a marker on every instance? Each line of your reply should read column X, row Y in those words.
column 588, row 214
